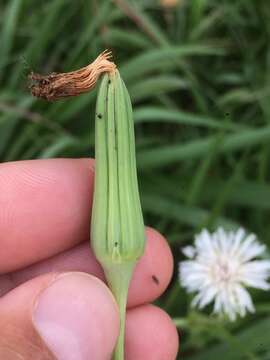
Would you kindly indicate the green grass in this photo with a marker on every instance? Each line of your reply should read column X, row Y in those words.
column 199, row 78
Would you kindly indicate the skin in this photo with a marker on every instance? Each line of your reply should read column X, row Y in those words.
column 54, row 303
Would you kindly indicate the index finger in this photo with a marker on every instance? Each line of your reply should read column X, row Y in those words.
column 45, row 208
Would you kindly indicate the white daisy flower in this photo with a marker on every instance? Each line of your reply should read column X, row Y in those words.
column 219, row 268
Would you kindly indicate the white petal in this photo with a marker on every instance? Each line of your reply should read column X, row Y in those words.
column 257, row 266
column 217, row 304
column 252, row 251
column 238, row 237
column 191, row 275
column 250, row 248
column 203, row 241
column 192, row 266
column 196, row 300
column 244, row 299
column 257, row 284
column 189, row 251
column 208, row 295
column 222, row 241
column 227, row 304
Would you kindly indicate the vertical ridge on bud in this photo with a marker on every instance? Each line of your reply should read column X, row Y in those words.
column 117, row 230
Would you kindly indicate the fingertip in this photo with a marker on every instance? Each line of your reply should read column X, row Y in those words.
column 154, row 270
column 77, row 317
column 150, row 334
column 162, row 248
column 45, row 207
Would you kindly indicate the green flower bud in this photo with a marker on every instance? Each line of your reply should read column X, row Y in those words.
column 117, row 229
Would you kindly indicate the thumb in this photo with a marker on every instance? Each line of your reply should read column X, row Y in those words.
column 64, row 316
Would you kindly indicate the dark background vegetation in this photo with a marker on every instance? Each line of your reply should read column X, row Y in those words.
column 198, row 74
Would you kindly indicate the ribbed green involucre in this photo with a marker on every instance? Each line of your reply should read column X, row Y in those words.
column 117, row 229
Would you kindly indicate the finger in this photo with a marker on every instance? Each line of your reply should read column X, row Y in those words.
column 59, row 316
column 73, row 316
column 44, row 208
column 152, row 274
column 150, row 334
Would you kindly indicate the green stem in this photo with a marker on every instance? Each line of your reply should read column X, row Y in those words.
column 181, row 322
column 118, row 277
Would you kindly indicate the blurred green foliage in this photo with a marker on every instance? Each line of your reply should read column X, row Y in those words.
column 199, row 77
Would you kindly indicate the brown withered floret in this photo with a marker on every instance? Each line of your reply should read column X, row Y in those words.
column 61, row 85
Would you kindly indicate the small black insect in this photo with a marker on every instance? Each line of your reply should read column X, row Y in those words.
column 155, row 279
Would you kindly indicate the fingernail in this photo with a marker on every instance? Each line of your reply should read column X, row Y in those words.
column 77, row 318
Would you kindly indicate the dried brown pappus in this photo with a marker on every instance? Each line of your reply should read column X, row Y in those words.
column 61, row 85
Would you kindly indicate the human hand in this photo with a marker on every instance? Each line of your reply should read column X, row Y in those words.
column 53, row 301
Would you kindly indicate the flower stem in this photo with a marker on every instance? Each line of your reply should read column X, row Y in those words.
column 118, row 277
column 181, row 322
